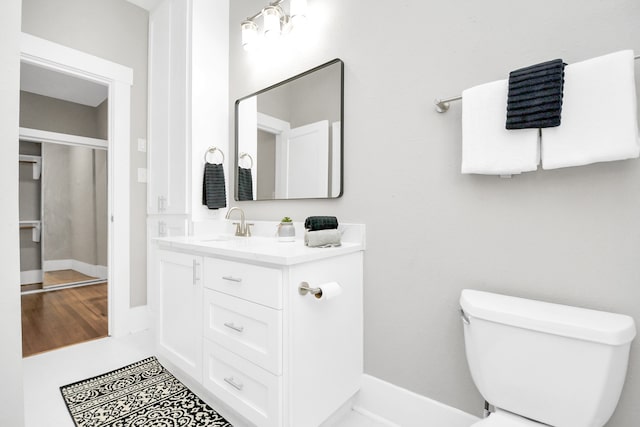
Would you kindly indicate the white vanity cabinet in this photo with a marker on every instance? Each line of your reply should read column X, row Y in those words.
column 179, row 309
column 275, row 356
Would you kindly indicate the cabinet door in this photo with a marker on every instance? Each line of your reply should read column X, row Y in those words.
column 169, row 90
column 179, row 318
column 160, row 226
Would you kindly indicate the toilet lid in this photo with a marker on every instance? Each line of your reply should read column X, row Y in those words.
column 506, row 419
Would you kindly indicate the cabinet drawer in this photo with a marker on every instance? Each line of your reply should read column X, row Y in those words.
column 254, row 283
column 250, row 330
column 245, row 387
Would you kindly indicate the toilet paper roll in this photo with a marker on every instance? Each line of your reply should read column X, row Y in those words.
column 328, row 291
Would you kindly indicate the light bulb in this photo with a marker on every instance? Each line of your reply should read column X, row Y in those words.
column 271, row 16
column 249, row 34
column 298, row 11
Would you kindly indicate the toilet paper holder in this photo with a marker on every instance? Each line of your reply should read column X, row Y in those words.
column 304, row 289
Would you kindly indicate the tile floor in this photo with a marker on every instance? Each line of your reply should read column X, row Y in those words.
column 45, row 373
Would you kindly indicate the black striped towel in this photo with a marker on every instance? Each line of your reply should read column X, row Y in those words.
column 214, row 194
column 535, row 96
column 314, row 223
column 245, row 184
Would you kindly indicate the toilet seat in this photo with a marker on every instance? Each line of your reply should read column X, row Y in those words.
column 506, row 419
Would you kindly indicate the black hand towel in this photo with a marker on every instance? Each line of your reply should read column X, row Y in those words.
column 314, row 223
column 535, row 96
column 214, row 195
column 245, row 184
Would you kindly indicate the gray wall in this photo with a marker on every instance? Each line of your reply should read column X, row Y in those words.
column 101, row 207
column 56, row 216
column 75, row 181
column 56, row 115
column 266, row 153
column 318, row 97
column 74, row 188
column 11, row 394
column 569, row 236
column 117, row 31
column 29, row 202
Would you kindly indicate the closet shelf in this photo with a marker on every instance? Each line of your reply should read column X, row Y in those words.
column 36, row 161
column 36, row 227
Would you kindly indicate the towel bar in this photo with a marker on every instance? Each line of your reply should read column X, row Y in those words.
column 442, row 105
column 243, row 155
column 212, row 150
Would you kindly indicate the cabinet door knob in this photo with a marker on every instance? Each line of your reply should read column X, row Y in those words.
column 234, row 327
column 232, row 279
column 232, row 382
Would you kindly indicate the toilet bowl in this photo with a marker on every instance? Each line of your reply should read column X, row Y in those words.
column 543, row 364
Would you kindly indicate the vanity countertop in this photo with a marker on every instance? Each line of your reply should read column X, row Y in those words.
column 257, row 249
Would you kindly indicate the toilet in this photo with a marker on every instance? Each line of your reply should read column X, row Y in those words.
column 543, row 364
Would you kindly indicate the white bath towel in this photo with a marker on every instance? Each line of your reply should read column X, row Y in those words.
column 487, row 146
column 599, row 122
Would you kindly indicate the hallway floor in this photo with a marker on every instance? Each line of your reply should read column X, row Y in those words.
column 45, row 373
column 63, row 317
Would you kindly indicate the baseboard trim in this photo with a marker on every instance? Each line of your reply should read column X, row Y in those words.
column 395, row 406
column 30, row 276
column 139, row 319
column 99, row 271
column 375, row 417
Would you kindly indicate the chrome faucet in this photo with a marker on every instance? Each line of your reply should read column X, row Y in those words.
column 242, row 228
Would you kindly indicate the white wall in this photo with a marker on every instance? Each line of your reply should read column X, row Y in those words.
column 210, row 91
column 11, row 398
column 570, row 235
column 115, row 30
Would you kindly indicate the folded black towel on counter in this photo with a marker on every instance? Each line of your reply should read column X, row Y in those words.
column 214, row 194
column 314, row 223
column 245, row 184
column 535, row 96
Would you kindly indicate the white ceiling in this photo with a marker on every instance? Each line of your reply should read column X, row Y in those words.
column 53, row 84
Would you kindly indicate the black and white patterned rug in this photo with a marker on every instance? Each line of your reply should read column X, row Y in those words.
column 143, row 394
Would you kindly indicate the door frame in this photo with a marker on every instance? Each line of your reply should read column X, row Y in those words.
column 118, row 78
column 275, row 127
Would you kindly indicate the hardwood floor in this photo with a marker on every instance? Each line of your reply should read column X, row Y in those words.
column 60, row 277
column 60, row 318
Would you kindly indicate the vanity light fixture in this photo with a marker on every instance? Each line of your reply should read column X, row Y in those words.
column 274, row 22
column 271, row 17
column 298, row 11
column 249, row 34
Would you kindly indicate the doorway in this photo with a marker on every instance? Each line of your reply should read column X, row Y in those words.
column 63, row 209
column 117, row 79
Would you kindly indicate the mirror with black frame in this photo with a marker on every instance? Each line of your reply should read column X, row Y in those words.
column 289, row 138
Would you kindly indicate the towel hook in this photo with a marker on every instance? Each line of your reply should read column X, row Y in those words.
column 243, row 155
column 212, row 150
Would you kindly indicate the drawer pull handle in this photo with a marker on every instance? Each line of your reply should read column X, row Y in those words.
column 233, row 383
column 232, row 279
column 234, row 327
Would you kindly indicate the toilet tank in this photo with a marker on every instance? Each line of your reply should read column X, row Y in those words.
column 560, row 365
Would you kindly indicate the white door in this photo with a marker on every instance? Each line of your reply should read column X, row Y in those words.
column 180, row 311
column 302, row 155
